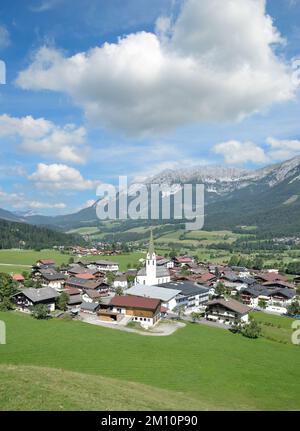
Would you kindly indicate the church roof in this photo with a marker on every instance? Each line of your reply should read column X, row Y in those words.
column 161, row 271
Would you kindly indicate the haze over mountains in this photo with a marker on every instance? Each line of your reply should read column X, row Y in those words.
column 267, row 198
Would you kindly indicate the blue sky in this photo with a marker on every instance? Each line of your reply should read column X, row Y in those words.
column 158, row 84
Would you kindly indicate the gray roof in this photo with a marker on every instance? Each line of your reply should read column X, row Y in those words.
column 106, row 262
column 155, row 292
column 75, row 299
column 161, row 271
column 187, row 288
column 38, row 295
column 53, row 277
column 89, row 306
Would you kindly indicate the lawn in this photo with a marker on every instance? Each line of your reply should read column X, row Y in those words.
column 213, row 366
column 122, row 259
column 13, row 260
column 277, row 328
column 56, row 389
column 28, row 257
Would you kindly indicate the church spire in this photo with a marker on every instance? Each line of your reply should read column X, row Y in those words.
column 151, row 244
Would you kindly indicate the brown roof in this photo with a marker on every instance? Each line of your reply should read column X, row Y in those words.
column 207, row 277
column 86, row 276
column 18, row 277
column 46, row 261
column 72, row 291
column 231, row 304
column 279, row 283
column 93, row 293
column 135, row 302
column 270, row 276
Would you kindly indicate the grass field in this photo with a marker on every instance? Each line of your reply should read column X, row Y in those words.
column 210, row 366
column 84, row 230
column 12, row 261
column 28, row 257
column 276, row 328
column 123, row 259
column 56, row 389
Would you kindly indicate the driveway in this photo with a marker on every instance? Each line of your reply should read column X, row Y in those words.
column 162, row 329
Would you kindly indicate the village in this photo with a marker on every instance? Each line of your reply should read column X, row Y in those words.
column 163, row 289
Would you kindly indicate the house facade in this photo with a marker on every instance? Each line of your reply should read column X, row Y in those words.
column 26, row 298
column 145, row 311
column 227, row 311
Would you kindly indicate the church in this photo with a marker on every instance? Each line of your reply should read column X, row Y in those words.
column 152, row 274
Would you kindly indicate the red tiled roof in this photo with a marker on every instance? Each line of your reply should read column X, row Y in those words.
column 18, row 277
column 207, row 276
column 184, row 259
column 135, row 302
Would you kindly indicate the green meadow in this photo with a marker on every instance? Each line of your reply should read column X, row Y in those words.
column 14, row 260
column 211, row 367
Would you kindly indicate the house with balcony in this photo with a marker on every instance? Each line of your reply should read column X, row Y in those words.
column 27, row 298
column 227, row 311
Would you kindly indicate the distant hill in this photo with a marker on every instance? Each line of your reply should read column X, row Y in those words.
column 15, row 234
column 7, row 215
column 268, row 198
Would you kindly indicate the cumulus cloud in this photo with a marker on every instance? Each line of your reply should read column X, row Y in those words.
column 43, row 137
column 4, row 37
column 216, row 62
column 19, row 201
column 60, row 177
column 281, row 149
column 235, row 152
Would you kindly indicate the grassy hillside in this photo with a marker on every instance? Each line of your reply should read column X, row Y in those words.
column 210, row 365
column 37, row 388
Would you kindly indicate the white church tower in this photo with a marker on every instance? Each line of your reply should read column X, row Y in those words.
column 152, row 274
column 151, row 262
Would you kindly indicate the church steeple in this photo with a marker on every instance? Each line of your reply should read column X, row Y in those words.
column 151, row 244
column 151, row 261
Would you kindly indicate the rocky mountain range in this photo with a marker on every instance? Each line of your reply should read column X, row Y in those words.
column 267, row 198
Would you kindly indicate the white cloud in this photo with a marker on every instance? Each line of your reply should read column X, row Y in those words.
column 4, row 37
column 19, row 201
column 45, row 6
column 60, row 177
column 214, row 63
column 43, row 137
column 281, row 149
column 235, row 152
